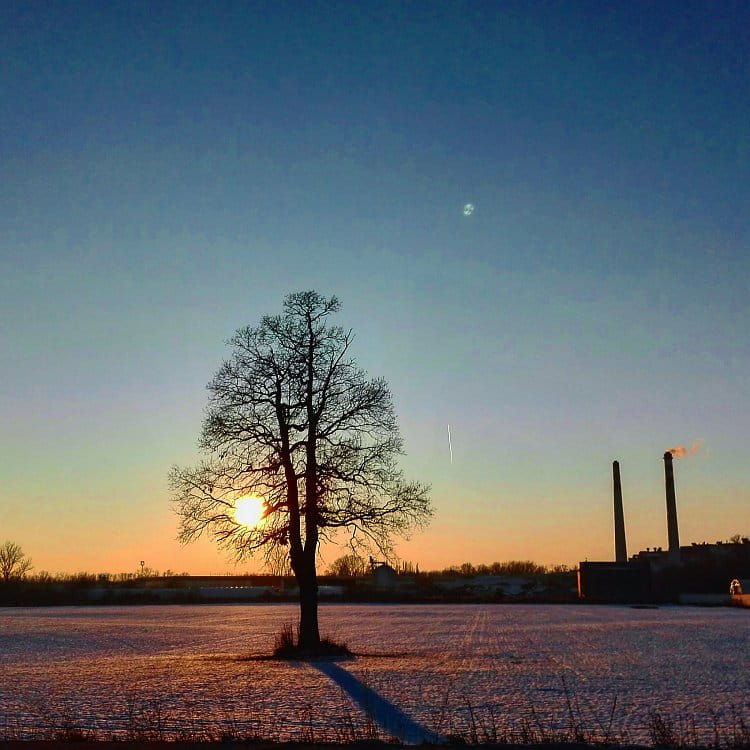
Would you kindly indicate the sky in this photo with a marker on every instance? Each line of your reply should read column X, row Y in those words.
column 169, row 171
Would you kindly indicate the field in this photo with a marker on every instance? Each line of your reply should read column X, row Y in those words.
column 481, row 672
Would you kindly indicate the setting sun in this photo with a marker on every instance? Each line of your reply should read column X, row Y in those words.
column 249, row 511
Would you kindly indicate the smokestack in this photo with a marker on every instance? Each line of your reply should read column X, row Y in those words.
column 621, row 552
column 673, row 533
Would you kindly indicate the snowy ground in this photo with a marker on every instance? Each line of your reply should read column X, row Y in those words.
column 182, row 669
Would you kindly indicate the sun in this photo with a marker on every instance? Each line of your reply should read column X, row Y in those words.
column 249, row 511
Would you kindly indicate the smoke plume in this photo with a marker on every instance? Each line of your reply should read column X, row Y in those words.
column 681, row 451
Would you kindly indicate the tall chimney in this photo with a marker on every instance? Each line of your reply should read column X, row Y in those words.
column 673, row 533
column 621, row 552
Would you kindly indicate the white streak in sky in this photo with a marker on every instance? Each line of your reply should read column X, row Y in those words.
column 450, row 446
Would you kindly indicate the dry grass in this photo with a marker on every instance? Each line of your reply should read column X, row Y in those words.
column 148, row 725
column 156, row 720
column 286, row 646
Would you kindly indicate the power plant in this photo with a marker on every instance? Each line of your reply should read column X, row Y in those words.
column 699, row 573
column 621, row 547
column 673, row 533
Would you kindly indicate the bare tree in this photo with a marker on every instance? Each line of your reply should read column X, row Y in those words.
column 14, row 565
column 348, row 566
column 293, row 420
column 277, row 561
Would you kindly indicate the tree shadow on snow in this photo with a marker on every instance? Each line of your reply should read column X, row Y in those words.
column 388, row 717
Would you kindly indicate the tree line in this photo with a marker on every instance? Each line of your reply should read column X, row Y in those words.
column 15, row 565
column 352, row 566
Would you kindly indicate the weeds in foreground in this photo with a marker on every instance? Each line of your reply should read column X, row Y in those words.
column 467, row 723
column 738, row 733
column 479, row 728
column 661, row 730
column 146, row 720
column 681, row 732
column 153, row 720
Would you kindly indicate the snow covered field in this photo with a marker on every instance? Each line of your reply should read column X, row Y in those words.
column 182, row 669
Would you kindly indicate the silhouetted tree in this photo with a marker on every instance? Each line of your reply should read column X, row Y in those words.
column 518, row 568
column 348, row 566
column 408, row 568
column 508, row 568
column 277, row 561
column 292, row 419
column 14, row 565
column 467, row 569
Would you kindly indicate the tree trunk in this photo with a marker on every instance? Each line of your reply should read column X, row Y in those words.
column 309, row 634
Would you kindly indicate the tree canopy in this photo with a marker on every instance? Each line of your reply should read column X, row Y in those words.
column 14, row 564
column 348, row 566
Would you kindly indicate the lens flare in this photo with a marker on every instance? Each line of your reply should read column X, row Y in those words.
column 248, row 511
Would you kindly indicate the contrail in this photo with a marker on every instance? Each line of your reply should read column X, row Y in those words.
column 450, row 447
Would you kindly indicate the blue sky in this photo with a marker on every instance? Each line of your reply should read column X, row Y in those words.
column 170, row 170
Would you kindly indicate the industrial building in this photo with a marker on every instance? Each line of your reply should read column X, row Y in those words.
column 698, row 573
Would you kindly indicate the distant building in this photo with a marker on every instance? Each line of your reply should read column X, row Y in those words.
column 650, row 575
column 693, row 573
column 383, row 576
column 483, row 585
column 614, row 582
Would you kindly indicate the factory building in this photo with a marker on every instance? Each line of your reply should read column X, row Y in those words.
column 656, row 575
